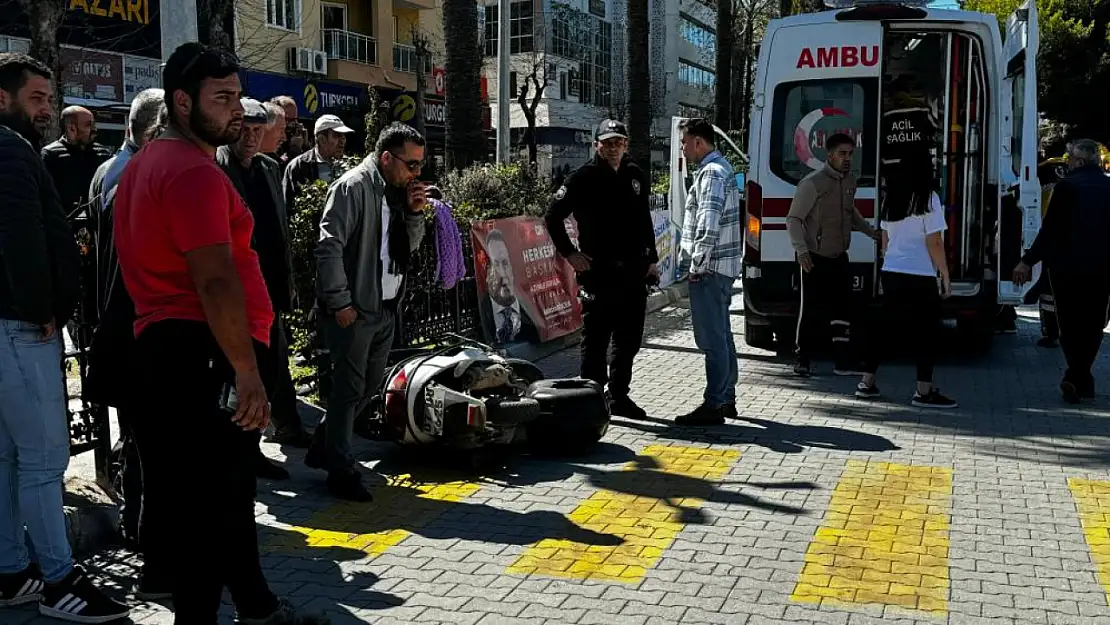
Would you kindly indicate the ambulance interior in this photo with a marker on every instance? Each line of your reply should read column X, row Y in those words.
column 941, row 107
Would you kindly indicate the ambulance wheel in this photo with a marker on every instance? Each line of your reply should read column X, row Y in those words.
column 759, row 336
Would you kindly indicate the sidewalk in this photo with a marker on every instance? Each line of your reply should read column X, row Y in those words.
column 814, row 507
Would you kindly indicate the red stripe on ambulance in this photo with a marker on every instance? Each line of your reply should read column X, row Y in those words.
column 779, row 207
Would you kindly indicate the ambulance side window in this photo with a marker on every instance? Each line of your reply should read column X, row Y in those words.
column 1018, row 120
column 806, row 113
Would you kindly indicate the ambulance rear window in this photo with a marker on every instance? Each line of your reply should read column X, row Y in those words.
column 806, row 113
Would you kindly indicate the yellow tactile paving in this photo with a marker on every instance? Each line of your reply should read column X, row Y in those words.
column 884, row 539
column 644, row 509
column 372, row 528
column 1093, row 501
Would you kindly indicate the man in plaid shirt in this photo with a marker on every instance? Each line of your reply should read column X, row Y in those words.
column 712, row 241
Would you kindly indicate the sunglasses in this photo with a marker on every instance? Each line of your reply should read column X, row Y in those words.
column 412, row 165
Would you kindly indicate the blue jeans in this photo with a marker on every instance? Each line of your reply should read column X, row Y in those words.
column 710, row 296
column 34, row 450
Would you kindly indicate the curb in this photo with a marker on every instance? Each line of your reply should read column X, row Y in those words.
column 657, row 301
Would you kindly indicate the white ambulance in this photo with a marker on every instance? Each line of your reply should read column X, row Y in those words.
column 884, row 73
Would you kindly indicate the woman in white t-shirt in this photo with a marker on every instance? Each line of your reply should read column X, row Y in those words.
column 914, row 277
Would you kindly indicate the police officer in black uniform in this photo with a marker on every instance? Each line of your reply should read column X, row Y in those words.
column 614, row 261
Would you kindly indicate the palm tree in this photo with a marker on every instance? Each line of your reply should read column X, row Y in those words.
column 723, row 94
column 466, row 139
column 639, row 83
column 45, row 17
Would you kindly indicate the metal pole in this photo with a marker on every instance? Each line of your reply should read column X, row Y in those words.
column 504, row 14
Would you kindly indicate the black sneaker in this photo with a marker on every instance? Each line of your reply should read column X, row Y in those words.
column 153, row 587
column 867, row 391
column 23, row 587
column 802, row 368
column 292, row 437
column 848, row 369
column 75, row 599
column 348, row 487
column 933, row 400
column 702, row 415
column 729, row 411
column 286, row 614
column 625, row 407
column 1070, row 391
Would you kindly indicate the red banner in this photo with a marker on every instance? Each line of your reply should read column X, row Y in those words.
column 526, row 291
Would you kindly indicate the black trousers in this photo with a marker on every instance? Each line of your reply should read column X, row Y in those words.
column 199, row 516
column 1082, row 307
column 614, row 316
column 283, row 402
column 827, row 302
column 910, row 304
column 130, row 479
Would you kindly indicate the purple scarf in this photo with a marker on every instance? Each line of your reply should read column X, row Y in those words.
column 451, row 265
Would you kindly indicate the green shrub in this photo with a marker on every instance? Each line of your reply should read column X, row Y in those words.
column 483, row 192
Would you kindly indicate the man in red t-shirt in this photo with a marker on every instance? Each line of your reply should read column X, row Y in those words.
column 202, row 326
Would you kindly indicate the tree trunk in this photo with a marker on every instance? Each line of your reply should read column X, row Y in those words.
column 723, row 95
column 420, row 44
column 639, row 83
column 466, row 139
column 45, row 17
column 219, row 16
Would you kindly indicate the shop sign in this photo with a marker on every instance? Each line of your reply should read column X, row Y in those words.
column 140, row 74
column 92, row 75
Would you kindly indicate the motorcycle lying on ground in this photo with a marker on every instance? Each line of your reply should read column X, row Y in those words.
column 467, row 398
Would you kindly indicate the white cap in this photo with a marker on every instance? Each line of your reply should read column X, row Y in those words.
column 330, row 122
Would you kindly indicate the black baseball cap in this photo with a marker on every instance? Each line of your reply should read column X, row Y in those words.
column 611, row 129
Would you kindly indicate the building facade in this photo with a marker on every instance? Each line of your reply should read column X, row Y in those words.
column 326, row 54
column 575, row 51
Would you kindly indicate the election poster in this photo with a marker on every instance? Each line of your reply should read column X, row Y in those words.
column 666, row 243
column 526, row 291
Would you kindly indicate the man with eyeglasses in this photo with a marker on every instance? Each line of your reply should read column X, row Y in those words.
column 372, row 222
column 614, row 260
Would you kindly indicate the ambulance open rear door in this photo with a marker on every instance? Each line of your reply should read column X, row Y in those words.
column 1019, row 218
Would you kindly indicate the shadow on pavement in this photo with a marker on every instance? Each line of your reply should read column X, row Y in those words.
column 780, row 437
column 352, row 589
column 430, row 502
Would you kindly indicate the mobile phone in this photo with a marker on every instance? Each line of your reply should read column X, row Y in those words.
column 229, row 399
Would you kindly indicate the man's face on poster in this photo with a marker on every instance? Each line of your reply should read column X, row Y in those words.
column 499, row 275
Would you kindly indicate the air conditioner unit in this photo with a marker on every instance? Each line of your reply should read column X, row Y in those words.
column 308, row 60
column 319, row 62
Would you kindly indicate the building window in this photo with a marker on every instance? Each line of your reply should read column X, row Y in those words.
column 585, row 38
column 283, row 14
column 521, row 28
column 703, row 39
column 691, row 111
column 696, row 76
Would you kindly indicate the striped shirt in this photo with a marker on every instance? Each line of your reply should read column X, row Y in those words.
column 712, row 237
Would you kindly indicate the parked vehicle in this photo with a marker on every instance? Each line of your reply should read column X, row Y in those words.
column 888, row 74
column 466, row 397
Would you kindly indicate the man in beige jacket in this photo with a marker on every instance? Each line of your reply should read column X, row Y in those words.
column 822, row 218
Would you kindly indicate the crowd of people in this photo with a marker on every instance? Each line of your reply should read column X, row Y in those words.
column 193, row 272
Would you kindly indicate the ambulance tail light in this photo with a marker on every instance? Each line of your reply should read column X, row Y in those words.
column 753, row 221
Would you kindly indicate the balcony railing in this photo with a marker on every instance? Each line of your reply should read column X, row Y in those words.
column 344, row 45
column 404, row 58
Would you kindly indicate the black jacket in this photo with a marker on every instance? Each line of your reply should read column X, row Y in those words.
column 612, row 210
column 275, row 252
column 299, row 172
column 1075, row 233
column 72, row 169
column 40, row 264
